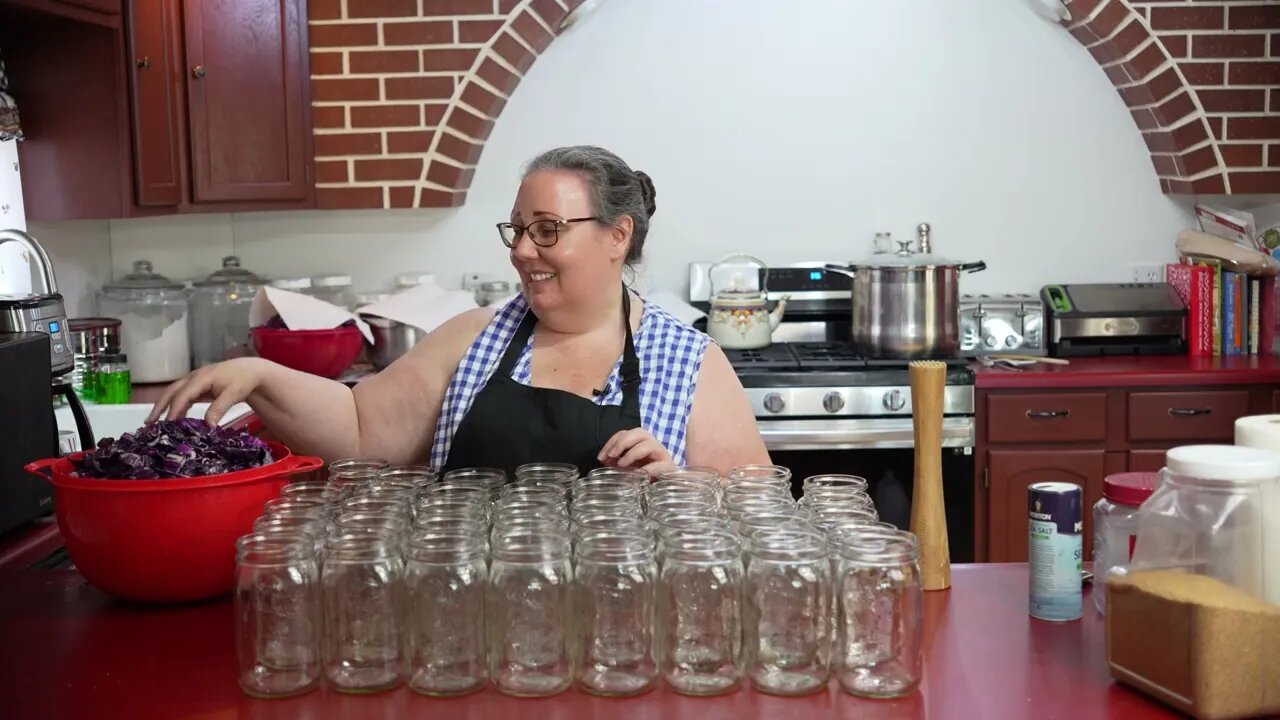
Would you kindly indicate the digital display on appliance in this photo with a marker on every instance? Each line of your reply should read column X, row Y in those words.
column 815, row 274
column 53, row 326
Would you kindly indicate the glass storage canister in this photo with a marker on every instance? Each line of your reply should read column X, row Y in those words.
column 220, row 313
column 445, row 579
column 335, row 290
column 301, row 285
column 362, row 581
column 1210, row 514
column 89, row 338
column 492, row 291
column 277, row 612
column 152, row 310
column 111, row 379
column 615, row 579
column 879, row 605
column 529, row 606
column 1115, row 525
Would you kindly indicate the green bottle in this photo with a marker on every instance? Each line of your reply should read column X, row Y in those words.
column 112, row 385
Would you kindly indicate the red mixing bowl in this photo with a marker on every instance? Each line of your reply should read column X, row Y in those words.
column 163, row 540
column 320, row 352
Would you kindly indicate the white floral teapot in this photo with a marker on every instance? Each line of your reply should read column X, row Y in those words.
column 740, row 318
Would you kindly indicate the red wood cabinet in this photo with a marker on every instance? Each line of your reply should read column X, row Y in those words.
column 247, row 96
column 109, row 7
column 155, row 63
column 1011, row 472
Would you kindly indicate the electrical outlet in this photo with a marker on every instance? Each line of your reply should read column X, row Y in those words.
column 471, row 281
column 1146, row 272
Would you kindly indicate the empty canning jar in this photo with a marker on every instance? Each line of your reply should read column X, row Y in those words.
column 312, row 490
column 491, row 479
column 277, row 614
column 615, row 582
column 769, row 474
column 595, row 524
column 561, row 473
column 392, row 525
column 787, row 614
column 879, row 604
column 415, row 475
column 834, row 482
column 700, row 612
column 353, row 481
column 363, row 597
column 529, row 605
column 355, row 464
column 294, row 525
column 445, row 578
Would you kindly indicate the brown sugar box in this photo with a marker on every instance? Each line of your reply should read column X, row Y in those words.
column 1196, row 643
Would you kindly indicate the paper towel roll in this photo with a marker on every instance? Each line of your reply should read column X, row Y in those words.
column 1263, row 431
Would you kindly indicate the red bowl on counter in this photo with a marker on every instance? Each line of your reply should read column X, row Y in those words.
column 326, row 353
column 163, row 540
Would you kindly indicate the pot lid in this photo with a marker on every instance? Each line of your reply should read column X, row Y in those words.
column 231, row 273
column 143, row 278
column 738, row 295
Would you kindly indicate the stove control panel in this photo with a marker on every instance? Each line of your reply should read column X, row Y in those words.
column 851, row 401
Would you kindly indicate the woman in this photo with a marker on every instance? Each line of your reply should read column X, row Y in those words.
column 575, row 369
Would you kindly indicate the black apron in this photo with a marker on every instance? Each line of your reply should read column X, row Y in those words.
column 510, row 424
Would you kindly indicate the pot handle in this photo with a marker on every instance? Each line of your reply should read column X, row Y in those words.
column 842, row 269
column 973, row 267
column 41, row 468
column 298, row 464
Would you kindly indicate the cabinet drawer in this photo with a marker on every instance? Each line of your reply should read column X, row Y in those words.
column 1047, row 417
column 1199, row 416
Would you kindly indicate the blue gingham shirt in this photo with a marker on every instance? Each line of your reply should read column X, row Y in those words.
column 670, row 354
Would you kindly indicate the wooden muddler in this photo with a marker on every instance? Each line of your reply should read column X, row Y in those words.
column 928, row 513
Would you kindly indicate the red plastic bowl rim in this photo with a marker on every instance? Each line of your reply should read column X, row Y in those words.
column 347, row 330
column 286, row 463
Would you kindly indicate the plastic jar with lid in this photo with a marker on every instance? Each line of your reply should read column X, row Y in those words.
column 409, row 280
column 220, row 313
column 334, row 289
column 1210, row 515
column 300, row 285
column 152, row 310
column 1115, row 525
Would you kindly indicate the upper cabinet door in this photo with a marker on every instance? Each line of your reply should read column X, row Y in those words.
column 155, row 70
column 247, row 94
column 111, row 7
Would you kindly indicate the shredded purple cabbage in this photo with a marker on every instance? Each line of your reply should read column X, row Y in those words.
column 275, row 322
column 189, row 447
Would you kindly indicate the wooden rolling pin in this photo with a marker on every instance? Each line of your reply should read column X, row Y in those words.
column 928, row 513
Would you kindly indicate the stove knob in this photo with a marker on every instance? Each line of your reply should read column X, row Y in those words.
column 894, row 400
column 833, row 402
column 774, row 403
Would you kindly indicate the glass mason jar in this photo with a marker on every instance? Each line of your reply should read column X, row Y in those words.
column 277, row 614
column 879, row 606
column 834, row 482
column 768, row 474
column 349, row 464
column 787, row 621
column 220, row 303
column 363, row 606
column 586, row 525
column 445, row 579
column 700, row 613
column 491, row 479
column 414, row 476
column 560, row 473
column 312, row 489
column 529, row 606
column 615, row 584
column 152, row 310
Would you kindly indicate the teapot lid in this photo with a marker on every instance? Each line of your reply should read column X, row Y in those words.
column 143, row 278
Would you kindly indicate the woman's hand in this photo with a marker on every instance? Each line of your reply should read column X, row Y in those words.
column 226, row 383
column 636, row 448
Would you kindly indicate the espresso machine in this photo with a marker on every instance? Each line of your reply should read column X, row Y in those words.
column 35, row 364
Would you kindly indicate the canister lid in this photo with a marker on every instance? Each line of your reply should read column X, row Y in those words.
column 143, row 278
column 230, row 273
column 331, row 281
column 1129, row 488
column 1223, row 462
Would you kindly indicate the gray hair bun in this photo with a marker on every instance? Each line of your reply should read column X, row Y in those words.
column 647, row 192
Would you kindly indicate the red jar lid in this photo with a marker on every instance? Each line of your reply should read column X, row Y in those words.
column 1129, row 488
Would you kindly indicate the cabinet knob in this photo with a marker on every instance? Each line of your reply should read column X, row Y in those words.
column 144, row 63
column 198, row 71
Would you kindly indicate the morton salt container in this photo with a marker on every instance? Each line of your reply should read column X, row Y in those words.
column 1055, row 549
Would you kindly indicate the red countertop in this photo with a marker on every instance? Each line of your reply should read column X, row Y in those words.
column 1135, row 371
column 69, row 651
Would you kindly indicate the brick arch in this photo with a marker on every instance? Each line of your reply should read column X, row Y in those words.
column 406, row 92
column 1196, row 92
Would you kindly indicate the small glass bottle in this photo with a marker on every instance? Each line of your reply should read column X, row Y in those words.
column 277, row 614
column 529, row 606
column 787, row 620
column 700, row 612
column 445, row 580
column 615, row 583
column 362, row 580
column 879, row 605
column 111, row 383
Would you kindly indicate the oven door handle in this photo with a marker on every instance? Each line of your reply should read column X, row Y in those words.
column 858, row 434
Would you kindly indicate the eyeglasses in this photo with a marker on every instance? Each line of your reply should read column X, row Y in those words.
column 544, row 233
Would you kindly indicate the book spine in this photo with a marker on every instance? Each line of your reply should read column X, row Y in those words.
column 1267, row 316
column 1228, row 313
column 1200, row 322
column 1255, row 300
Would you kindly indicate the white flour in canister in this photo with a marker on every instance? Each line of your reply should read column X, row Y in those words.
column 156, row 345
